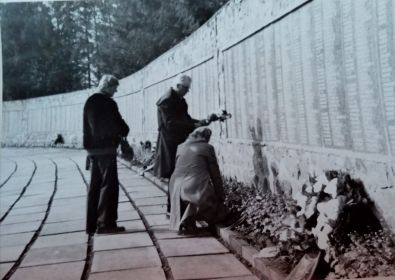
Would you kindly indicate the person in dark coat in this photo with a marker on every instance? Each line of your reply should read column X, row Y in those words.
column 103, row 128
column 174, row 126
column 196, row 186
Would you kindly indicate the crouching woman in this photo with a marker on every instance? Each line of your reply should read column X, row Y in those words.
column 195, row 186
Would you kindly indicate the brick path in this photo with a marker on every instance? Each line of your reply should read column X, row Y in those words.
column 42, row 219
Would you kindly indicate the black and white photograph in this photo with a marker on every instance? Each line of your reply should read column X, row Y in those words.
column 197, row 139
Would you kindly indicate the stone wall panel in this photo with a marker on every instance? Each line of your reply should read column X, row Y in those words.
column 310, row 85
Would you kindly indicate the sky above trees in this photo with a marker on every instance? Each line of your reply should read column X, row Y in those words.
column 62, row 46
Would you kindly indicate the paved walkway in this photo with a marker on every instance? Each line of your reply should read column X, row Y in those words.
column 42, row 222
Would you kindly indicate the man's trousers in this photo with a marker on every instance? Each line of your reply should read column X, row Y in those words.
column 102, row 202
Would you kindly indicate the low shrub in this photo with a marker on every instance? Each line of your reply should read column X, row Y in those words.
column 270, row 220
column 367, row 255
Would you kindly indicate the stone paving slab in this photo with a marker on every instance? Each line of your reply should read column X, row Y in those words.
column 123, row 199
column 165, row 233
column 19, row 180
column 65, row 191
column 157, row 220
column 59, row 216
column 147, row 188
column 132, row 226
column 155, row 209
column 130, row 185
column 122, row 241
column 128, row 215
column 147, row 194
column 36, row 191
column 60, row 240
column 60, row 195
column 12, row 219
column 8, row 191
column 35, row 194
column 38, row 181
column 61, row 271
column 15, row 239
column 127, row 178
column 51, row 255
column 72, row 182
column 38, row 187
column 10, row 196
column 4, row 207
column 25, row 169
column 150, row 273
column 72, row 209
column 138, row 187
column 125, row 259
column 33, row 201
column 77, row 190
column 10, row 254
column 61, row 202
column 63, row 227
column 6, row 168
column 67, row 174
column 151, row 201
column 4, row 268
column 209, row 266
column 191, row 246
column 28, row 210
column 125, row 206
column 144, row 189
column 62, row 244
column 19, row 228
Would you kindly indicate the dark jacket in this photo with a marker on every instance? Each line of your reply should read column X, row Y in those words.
column 103, row 124
column 174, row 125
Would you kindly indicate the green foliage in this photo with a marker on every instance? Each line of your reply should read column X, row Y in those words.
column 367, row 255
column 263, row 213
column 264, row 222
column 264, row 218
column 29, row 45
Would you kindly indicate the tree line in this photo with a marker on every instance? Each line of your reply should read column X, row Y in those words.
column 62, row 46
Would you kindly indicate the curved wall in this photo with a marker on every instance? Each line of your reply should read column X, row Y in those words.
column 310, row 84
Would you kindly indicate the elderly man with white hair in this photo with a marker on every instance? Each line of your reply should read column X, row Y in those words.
column 174, row 125
column 103, row 128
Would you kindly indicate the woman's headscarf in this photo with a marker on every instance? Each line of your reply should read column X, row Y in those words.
column 199, row 133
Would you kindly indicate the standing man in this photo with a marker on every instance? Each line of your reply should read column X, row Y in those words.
column 103, row 128
column 174, row 125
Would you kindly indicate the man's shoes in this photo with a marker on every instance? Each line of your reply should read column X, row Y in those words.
column 107, row 230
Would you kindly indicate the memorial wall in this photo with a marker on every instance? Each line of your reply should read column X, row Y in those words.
column 310, row 85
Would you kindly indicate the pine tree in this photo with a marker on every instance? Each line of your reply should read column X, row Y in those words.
column 62, row 46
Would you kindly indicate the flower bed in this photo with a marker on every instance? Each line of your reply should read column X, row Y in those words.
column 277, row 221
